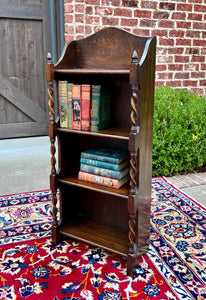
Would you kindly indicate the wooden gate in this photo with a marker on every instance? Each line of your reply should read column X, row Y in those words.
column 24, row 43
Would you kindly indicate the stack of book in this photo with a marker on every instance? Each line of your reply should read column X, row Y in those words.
column 84, row 106
column 105, row 166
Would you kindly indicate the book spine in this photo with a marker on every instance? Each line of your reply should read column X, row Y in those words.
column 69, row 105
column 62, row 88
column 76, row 107
column 105, row 108
column 86, row 107
column 95, row 107
column 100, row 164
column 100, row 171
column 107, row 159
column 109, row 182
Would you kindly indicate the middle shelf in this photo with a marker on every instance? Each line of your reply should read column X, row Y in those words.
column 73, row 180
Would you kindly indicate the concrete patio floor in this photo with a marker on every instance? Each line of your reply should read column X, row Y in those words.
column 25, row 167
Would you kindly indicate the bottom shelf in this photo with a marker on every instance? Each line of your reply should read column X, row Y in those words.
column 98, row 234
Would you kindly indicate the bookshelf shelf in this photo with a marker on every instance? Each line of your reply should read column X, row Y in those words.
column 91, row 71
column 98, row 234
column 108, row 133
column 117, row 220
column 73, row 180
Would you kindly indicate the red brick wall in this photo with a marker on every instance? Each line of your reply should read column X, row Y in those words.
column 179, row 25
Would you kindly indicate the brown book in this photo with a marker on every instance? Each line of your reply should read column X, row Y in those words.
column 85, row 107
column 76, row 106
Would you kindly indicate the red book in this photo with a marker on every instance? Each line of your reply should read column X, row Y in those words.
column 102, row 180
column 76, row 106
column 86, row 107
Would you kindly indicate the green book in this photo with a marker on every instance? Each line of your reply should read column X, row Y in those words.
column 69, row 105
column 101, row 107
column 62, row 88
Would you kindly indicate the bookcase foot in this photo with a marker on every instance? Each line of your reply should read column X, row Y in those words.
column 55, row 234
column 132, row 261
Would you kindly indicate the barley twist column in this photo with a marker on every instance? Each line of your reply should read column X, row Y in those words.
column 49, row 70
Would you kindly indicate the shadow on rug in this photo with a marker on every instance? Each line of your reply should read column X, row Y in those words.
column 31, row 268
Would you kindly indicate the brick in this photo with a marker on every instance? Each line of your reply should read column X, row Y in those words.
column 203, row 66
column 149, row 4
column 200, row 8
column 204, row 35
column 202, row 82
column 192, row 51
column 194, row 17
column 183, row 42
column 89, row 10
column 193, row 34
column 196, row 58
column 164, row 59
column 191, row 67
column 161, row 67
column 182, row 59
column 165, row 75
column 103, row 11
column 147, row 23
column 130, row 3
column 175, row 67
column 174, row 83
column 68, row 9
column 79, row 18
column 190, row 83
column 197, row 74
column 110, row 21
column 80, row 29
column 110, row 2
column 187, row 25
column 92, row 20
column 166, row 24
column 69, row 38
column 69, row 29
column 168, row 6
column 68, row 19
column 157, row 32
column 200, row 25
column 200, row 43
column 166, row 42
column 122, row 12
column 142, row 14
column 184, row 7
column 92, row 2
column 159, row 83
column 79, row 36
column 179, row 16
column 160, row 15
column 176, row 33
column 79, row 8
column 142, row 32
column 128, row 22
column 197, row 91
column 195, row 1
column 181, row 75
column 88, row 30
column 175, row 50
column 203, row 51
column 161, row 51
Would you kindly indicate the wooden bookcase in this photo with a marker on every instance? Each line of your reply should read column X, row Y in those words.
column 116, row 220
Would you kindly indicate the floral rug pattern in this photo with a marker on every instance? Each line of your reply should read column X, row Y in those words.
column 32, row 268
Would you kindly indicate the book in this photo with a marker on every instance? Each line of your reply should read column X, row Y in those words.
column 102, row 180
column 62, row 90
column 110, row 155
column 85, row 107
column 104, row 165
column 105, row 172
column 69, row 105
column 76, row 106
column 100, row 107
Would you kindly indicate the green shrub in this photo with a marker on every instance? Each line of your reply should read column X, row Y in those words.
column 179, row 136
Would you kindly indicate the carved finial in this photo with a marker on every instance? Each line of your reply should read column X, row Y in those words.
column 135, row 57
column 49, row 58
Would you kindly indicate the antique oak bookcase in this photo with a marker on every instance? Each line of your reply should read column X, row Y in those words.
column 116, row 220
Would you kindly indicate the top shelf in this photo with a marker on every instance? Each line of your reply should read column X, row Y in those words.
column 91, row 71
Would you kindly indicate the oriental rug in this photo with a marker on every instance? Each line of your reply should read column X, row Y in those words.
column 32, row 268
